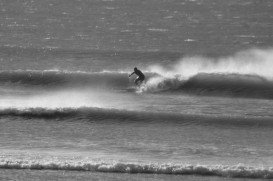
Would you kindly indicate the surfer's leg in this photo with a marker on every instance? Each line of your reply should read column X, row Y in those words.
column 136, row 81
column 140, row 80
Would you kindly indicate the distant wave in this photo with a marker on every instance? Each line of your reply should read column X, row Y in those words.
column 219, row 170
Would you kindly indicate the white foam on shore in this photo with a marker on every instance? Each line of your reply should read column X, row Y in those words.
column 239, row 171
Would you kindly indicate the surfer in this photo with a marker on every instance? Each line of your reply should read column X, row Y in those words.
column 140, row 75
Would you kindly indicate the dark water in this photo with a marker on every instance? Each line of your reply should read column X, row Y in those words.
column 66, row 102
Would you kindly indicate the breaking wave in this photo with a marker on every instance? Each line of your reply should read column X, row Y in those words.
column 213, row 84
column 238, row 85
column 239, row 171
column 245, row 74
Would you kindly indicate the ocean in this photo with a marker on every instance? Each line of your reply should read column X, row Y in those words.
column 69, row 111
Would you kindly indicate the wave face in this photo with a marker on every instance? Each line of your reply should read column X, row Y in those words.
column 219, row 170
column 63, row 78
column 238, row 85
column 213, row 84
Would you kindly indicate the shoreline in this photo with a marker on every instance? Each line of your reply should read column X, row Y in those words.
column 27, row 174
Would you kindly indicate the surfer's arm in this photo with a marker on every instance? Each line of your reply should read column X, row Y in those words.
column 131, row 74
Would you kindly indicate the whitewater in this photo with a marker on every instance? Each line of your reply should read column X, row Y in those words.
column 69, row 111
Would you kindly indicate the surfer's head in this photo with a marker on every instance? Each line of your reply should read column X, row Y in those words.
column 135, row 69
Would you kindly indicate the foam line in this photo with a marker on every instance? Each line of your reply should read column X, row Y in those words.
column 119, row 167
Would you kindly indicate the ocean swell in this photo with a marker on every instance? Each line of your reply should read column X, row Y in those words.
column 239, row 171
column 141, row 117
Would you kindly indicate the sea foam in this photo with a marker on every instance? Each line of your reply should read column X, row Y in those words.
column 251, row 62
column 240, row 171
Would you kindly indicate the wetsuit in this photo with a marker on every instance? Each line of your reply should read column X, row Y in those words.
column 140, row 77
